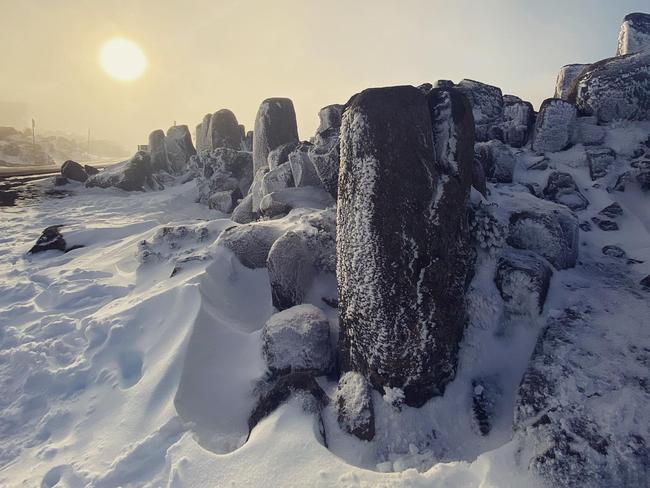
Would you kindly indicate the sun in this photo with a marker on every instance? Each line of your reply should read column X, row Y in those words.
column 122, row 59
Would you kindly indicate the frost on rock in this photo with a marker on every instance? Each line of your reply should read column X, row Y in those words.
column 158, row 151
column 523, row 279
column 497, row 161
column 634, row 35
column 281, row 202
column 291, row 270
column 356, row 414
column 180, row 149
column 325, row 154
column 554, row 126
column 487, row 106
column 599, row 161
column 562, row 188
column 615, row 89
column 303, row 170
column 518, row 122
column 485, row 229
column 280, row 154
column 224, row 131
column 136, row 174
column 275, row 124
column 565, row 78
column 402, row 246
column 297, row 340
column 252, row 242
column 278, row 178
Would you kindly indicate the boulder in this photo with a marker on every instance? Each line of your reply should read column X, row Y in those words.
column 224, row 131
column 243, row 212
column 613, row 251
column 554, row 126
column 297, row 340
column 251, row 243
column 612, row 211
column 180, row 149
column 278, row 178
column 291, row 270
column 599, row 161
column 202, row 131
column 634, row 35
column 158, row 151
column 248, row 141
column 518, row 122
column 496, row 159
column 275, row 124
column 224, row 200
column 50, row 239
column 256, row 188
column 61, row 181
column 605, row 225
column 136, row 174
column 281, row 202
column 565, row 78
column 546, row 228
column 615, row 89
column 325, row 154
column 523, row 279
column 73, row 171
column 90, row 170
column 399, row 243
column 280, row 154
column 561, row 188
column 586, row 131
column 222, row 169
column 487, row 106
column 303, row 170
column 356, row 413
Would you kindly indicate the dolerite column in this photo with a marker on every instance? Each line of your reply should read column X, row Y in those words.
column 275, row 124
column 396, row 327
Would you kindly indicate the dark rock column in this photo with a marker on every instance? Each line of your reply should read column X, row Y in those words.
column 158, row 151
column 179, row 147
column 224, row 130
column 275, row 124
column 402, row 236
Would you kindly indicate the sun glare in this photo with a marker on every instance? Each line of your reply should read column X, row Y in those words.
column 122, row 59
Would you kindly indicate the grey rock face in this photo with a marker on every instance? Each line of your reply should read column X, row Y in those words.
column 487, row 106
column 158, row 151
column 73, row 171
column 401, row 265
column 90, row 170
column 291, row 270
column 615, row 88
column 248, row 141
column 325, row 154
column 202, row 131
column 599, row 161
column 136, row 174
column 588, row 132
column 497, row 161
column 277, row 179
column 356, row 413
column 225, row 200
column 485, row 394
column 478, row 177
column 612, row 211
column 634, row 35
column 561, row 188
column 297, row 340
column 523, row 279
column 224, row 131
column 554, row 126
column 179, row 147
column 565, row 78
column 275, row 124
column 50, row 239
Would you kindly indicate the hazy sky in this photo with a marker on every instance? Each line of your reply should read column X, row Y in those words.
column 204, row 55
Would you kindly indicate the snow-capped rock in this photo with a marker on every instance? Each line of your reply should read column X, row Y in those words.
column 50, row 239
column 291, row 270
column 496, row 159
column 222, row 170
column 599, row 161
column 73, row 171
column 562, row 188
column 615, row 88
column 297, row 340
column 224, row 131
column 243, row 212
column 356, row 413
column 565, row 78
column 275, row 124
column 136, row 174
column 554, row 126
column 523, row 279
column 158, row 151
column 397, row 244
column 278, row 178
column 634, row 35
column 224, row 200
column 325, row 154
column 252, row 242
column 180, row 149
column 485, row 393
column 202, row 131
column 487, row 106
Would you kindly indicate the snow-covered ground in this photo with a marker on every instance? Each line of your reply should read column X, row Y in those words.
column 131, row 364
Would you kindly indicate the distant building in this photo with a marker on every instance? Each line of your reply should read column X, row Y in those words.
column 143, row 147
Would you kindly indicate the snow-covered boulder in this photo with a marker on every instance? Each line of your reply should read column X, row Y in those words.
column 562, row 188
column 291, row 270
column 615, row 88
column 224, row 200
column 202, row 131
column 518, row 122
column 224, row 131
column 275, row 124
column 397, row 244
column 135, row 174
column 278, row 178
column 548, row 229
column 634, row 35
column 180, row 149
column 298, row 340
column 356, row 413
column 252, row 242
column 280, row 154
column 554, row 126
column 222, row 170
column 523, row 279
column 50, row 239
column 496, row 159
column 281, row 202
column 487, row 106
column 565, row 78
column 586, row 131
column 158, row 151
column 73, row 171
column 243, row 212
column 599, row 161
column 302, row 169
column 325, row 154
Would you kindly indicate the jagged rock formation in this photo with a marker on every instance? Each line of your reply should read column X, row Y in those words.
column 565, row 78
column 634, row 35
column 518, row 121
column 562, row 188
column 554, row 126
column 224, row 131
column 158, row 151
column 401, row 261
column 275, row 124
column 180, row 149
column 497, row 161
column 487, row 106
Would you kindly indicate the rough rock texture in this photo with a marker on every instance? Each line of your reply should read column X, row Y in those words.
column 612, row 211
column 251, row 243
column 487, row 106
column 303, row 170
column 356, row 413
column 275, row 124
column 247, row 144
column 554, row 126
column 224, row 131
column 220, row 170
column 297, row 340
column 565, row 78
column 402, row 248
column 546, row 228
column 615, row 88
column 599, row 161
column 497, row 161
column 179, row 147
column 325, row 154
column 518, row 122
column 280, row 154
column 278, row 178
column 586, row 131
column 73, row 171
column 561, row 188
column 136, row 174
column 291, row 270
column 523, row 279
column 202, row 131
column 243, row 212
column 634, row 35
column 158, row 151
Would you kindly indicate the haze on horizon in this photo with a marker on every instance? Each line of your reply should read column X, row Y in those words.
column 204, row 55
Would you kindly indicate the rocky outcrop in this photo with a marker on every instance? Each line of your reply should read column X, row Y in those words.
column 554, row 126
column 497, row 161
column 222, row 170
column 634, row 35
column 158, row 151
column 136, row 174
column 565, row 78
column 251, row 243
column 51, row 239
column 487, row 106
column 275, row 124
column 324, row 153
column 280, row 154
column 402, row 262
column 224, row 131
column 281, row 202
column 303, row 170
column 180, row 149
column 518, row 122
column 73, row 171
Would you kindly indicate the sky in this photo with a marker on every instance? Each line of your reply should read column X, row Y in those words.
column 204, row 55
